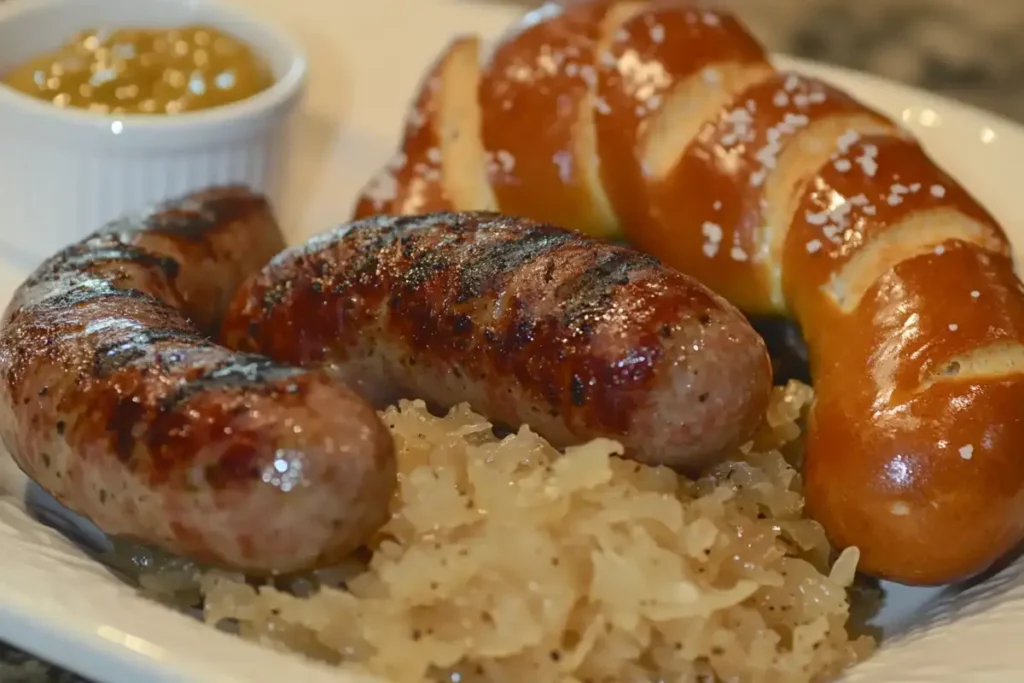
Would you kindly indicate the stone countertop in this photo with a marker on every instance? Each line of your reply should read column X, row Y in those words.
column 969, row 51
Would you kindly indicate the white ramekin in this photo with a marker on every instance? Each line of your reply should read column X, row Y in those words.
column 64, row 173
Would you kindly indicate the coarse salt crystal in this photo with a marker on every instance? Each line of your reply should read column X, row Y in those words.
column 847, row 140
column 793, row 121
column 781, row 99
column 816, row 218
column 967, row 452
column 768, row 155
column 953, row 327
column 506, row 160
column 737, row 127
column 975, row 294
column 713, row 234
column 867, row 160
column 563, row 160
column 712, row 76
column 940, row 250
column 738, row 254
column 416, row 119
column 843, row 165
column 396, row 162
column 426, row 172
column 938, row 191
column 717, row 206
column 900, row 509
column 383, row 189
column 658, row 33
column 814, row 246
column 601, row 106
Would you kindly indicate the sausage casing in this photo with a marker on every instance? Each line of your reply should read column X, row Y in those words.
column 528, row 323
column 115, row 400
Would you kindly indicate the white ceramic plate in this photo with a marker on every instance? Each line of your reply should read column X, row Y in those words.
column 366, row 58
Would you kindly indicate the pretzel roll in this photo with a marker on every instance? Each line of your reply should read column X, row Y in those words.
column 664, row 123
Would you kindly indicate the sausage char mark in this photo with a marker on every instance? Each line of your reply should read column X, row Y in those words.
column 545, row 321
column 116, row 400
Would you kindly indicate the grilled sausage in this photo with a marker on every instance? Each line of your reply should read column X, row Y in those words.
column 114, row 399
column 528, row 323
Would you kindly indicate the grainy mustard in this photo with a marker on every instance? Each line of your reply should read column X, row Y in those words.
column 145, row 71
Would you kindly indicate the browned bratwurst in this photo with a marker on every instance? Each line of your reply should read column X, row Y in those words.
column 528, row 323
column 114, row 401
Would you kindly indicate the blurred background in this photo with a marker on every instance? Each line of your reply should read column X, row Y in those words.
column 968, row 50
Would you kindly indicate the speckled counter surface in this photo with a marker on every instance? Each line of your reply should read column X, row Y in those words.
column 970, row 51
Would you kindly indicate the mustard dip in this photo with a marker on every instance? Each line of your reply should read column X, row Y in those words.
column 145, row 71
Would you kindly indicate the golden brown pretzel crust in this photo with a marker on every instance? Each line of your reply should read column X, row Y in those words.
column 663, row 122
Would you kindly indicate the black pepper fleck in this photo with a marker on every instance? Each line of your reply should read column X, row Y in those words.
column 578, row 391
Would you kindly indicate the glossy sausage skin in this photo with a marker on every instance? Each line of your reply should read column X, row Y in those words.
column 114, row 399
column 528, row 323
